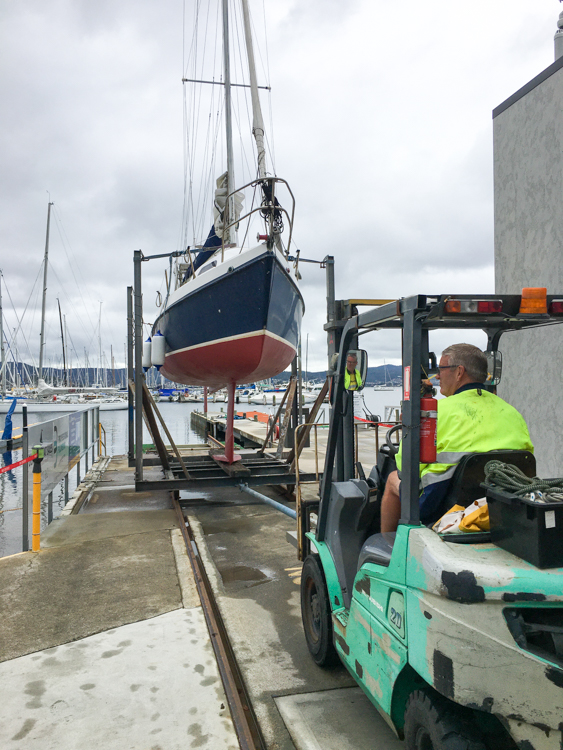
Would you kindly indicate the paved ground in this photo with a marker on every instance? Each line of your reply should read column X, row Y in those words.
column 122, row 689
column 103, row 640
column 102, row 636
column 256, row 577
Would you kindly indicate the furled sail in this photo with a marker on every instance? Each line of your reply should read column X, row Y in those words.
column 220, row 203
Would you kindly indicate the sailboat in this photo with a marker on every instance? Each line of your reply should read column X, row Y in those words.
column 47, row 398
column 235, row 314
column 388, row 383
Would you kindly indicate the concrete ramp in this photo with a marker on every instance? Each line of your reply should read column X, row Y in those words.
column 335, row 719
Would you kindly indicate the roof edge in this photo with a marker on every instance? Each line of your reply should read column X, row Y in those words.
column 543, row 76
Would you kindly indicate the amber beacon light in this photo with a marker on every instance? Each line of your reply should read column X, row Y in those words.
column 534, row 301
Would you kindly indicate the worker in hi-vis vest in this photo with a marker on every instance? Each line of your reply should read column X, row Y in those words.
column 470, row 420
column 352, row 377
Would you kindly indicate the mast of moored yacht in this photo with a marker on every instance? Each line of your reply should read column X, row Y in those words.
column 65, row 380
column 45, row 265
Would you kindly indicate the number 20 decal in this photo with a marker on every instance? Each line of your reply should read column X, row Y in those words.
column 396, row 617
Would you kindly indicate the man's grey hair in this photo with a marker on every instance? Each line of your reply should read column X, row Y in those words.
column 471, row 357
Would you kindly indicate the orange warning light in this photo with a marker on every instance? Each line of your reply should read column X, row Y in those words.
column 534, row 301
column 453, row 306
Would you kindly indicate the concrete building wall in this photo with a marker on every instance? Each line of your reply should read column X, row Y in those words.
column 528, row 194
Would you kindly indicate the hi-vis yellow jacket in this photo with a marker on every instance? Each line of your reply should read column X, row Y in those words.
column 347, row 379
column 473, row 421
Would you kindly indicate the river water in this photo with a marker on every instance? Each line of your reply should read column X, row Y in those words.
column 177, row 418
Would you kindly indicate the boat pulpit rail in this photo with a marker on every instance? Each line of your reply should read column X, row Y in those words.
column 264, row 209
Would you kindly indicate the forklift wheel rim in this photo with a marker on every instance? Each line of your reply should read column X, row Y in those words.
column 313, row 617
column 423, row 740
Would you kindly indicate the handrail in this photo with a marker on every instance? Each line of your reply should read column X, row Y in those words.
column 262, row 208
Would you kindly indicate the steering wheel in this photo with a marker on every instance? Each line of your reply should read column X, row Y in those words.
column 393, row 449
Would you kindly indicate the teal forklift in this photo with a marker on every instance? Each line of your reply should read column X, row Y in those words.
column 457, row 640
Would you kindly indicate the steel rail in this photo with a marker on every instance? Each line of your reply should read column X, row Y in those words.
column 242, row 713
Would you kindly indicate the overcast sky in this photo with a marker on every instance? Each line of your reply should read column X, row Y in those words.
column 381, row 117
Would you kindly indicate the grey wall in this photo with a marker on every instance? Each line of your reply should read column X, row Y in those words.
column 528, row 174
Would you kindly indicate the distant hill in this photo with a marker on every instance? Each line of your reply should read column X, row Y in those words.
column 376, row 375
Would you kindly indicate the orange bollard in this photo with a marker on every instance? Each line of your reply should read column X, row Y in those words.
column 36, row 517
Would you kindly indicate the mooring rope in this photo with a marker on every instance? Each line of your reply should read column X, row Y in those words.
column 511, row 478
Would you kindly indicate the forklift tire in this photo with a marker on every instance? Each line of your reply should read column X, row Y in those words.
column 316, row 615
column 434, row 723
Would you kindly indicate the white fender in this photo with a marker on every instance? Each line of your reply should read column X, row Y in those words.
column 147, row 354
column 158, row 350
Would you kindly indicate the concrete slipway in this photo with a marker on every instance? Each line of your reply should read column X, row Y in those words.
column 103, row 638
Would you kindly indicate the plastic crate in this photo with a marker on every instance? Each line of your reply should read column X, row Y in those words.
column 530, row 530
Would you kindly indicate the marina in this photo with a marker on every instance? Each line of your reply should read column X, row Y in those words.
column 273, row 474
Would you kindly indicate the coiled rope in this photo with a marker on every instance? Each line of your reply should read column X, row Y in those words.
column 509, row 477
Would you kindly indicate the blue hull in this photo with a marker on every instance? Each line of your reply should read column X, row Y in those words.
column 240, row 327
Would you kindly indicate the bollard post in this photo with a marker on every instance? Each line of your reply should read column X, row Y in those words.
column 25, row 482
column 93, row 434
column 49, row 507
column 99, row 431
column 36, row 523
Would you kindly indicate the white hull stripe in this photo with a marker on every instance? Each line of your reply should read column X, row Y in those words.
column 238, row 337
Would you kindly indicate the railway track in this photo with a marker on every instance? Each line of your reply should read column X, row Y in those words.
column 244, row 719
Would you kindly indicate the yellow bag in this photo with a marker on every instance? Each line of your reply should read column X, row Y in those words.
column 449, row 523
column 459, row 519
column 476, row 517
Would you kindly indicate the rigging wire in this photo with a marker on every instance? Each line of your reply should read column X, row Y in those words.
column 20, row 320
column 71, row 262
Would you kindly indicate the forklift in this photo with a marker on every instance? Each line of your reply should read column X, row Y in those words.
column 457, row 639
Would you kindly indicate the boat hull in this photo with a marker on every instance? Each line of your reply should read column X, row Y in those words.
column 241, row 327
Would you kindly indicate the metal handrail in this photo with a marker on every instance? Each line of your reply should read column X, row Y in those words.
column 261, row 208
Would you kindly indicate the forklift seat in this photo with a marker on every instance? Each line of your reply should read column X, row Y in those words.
column 465, row 486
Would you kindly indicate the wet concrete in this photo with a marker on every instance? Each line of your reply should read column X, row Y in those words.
column 136, row 686
column 256, row 578
column 74, row 590
column 115, row 492
column 103, row 638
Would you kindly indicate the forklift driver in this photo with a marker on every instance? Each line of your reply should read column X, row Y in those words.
column 352, row 377
column 470, row 420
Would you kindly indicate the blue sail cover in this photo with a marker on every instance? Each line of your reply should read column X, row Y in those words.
column 211, row 243
column 7, row 434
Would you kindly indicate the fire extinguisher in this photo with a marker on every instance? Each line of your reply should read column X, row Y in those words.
column 428, row 428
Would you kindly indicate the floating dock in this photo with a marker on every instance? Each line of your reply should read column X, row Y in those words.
column 142, row 621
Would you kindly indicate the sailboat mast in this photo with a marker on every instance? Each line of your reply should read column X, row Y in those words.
column 230, row 207
column 62, row 343
column 45, row 266
column 99, row 382
column 257, row 120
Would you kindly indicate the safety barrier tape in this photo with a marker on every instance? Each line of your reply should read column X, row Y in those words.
column 18, row 463
column 381, row 424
